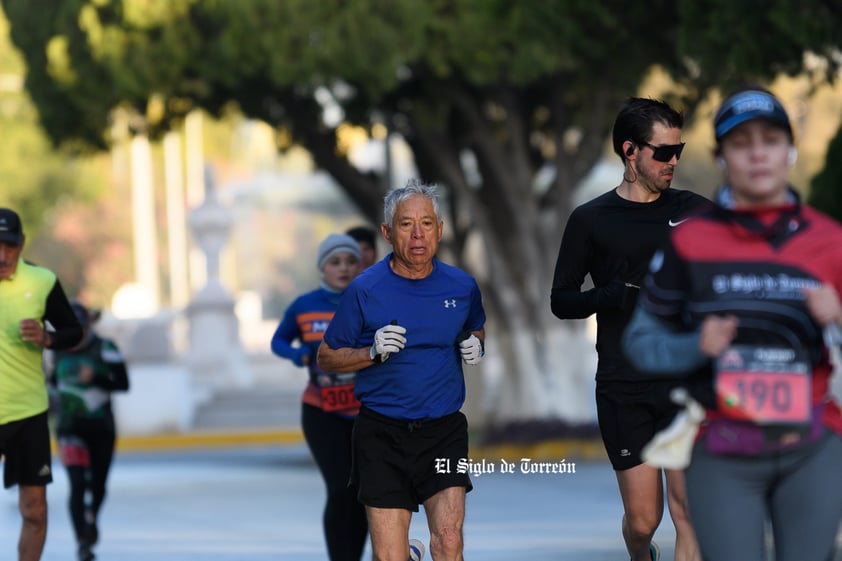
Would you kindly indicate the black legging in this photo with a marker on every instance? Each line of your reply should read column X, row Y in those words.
column 100, row 445
column 344, row 520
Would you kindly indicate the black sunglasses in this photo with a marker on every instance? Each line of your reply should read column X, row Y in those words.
column 665, row 152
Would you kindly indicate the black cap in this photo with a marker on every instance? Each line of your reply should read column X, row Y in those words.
column 363, row 234
column 748, row 105
column 11, row 230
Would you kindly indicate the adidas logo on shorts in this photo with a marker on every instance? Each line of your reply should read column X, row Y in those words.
column 44, row 471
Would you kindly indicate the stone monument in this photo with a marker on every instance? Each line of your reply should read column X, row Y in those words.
column 215, row 356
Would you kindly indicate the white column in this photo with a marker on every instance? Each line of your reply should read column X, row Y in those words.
column 216, row 355
column 176, row 221
column 195, row 167
column 143, row 215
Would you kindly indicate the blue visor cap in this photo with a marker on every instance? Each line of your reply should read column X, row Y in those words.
column 747, row 106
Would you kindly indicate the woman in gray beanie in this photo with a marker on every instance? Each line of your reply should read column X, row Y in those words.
column 329, row 405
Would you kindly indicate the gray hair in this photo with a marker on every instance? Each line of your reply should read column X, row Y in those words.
column 413, row 188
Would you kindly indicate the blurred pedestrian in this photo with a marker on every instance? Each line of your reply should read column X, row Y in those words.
column 84, row 377
column 329, row 405
column 367, row 239
column 406, row 324
column 611, row 239
column 30, row 296
column 744, row 301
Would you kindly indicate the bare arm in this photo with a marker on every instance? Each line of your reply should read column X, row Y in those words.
column 344, row 359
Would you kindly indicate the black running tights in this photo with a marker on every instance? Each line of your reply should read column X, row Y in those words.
column 345, row 524
column 91, row 479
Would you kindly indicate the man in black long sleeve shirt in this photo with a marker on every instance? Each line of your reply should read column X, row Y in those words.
column 612, row 238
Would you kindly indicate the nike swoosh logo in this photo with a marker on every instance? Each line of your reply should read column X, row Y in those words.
column 674, row 224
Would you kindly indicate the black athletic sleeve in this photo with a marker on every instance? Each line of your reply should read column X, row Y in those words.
column 567, row 299
column 117, row 378
column 67, row 331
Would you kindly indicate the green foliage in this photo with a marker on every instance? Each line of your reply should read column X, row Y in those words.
column 733, row 41
column 826, row 187
column 522, row 85
column 492, row 41
column 87, row 57
column 464, row 69
column 33, row 178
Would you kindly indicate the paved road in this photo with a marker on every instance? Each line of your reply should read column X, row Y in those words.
column 265, row 503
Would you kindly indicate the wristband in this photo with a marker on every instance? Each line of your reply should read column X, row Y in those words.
column 375, row 357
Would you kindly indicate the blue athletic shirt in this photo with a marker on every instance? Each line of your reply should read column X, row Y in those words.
column 425, row 379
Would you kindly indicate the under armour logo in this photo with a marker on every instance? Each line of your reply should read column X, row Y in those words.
column 450, row 303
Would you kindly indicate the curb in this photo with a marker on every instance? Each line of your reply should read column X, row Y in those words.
column 547, row 450
column 197, row 440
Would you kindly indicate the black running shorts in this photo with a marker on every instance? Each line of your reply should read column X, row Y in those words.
column 629, row 414
column 25, row 446
column 400, row 464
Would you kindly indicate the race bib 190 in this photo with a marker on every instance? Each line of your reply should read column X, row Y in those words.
column 764, row 385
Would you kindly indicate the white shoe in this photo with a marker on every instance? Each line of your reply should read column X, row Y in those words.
column 416, row 550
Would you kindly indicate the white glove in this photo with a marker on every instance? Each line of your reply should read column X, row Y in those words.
column 387, row 340
column 471, row 349
column 672, row 447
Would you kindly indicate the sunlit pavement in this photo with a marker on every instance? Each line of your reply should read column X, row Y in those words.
column 265, row 503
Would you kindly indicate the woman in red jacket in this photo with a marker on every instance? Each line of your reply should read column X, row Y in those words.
column 744, row 298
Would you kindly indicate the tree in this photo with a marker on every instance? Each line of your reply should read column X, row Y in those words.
column 45, row 186
column 826, row 187
column 506, row 104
